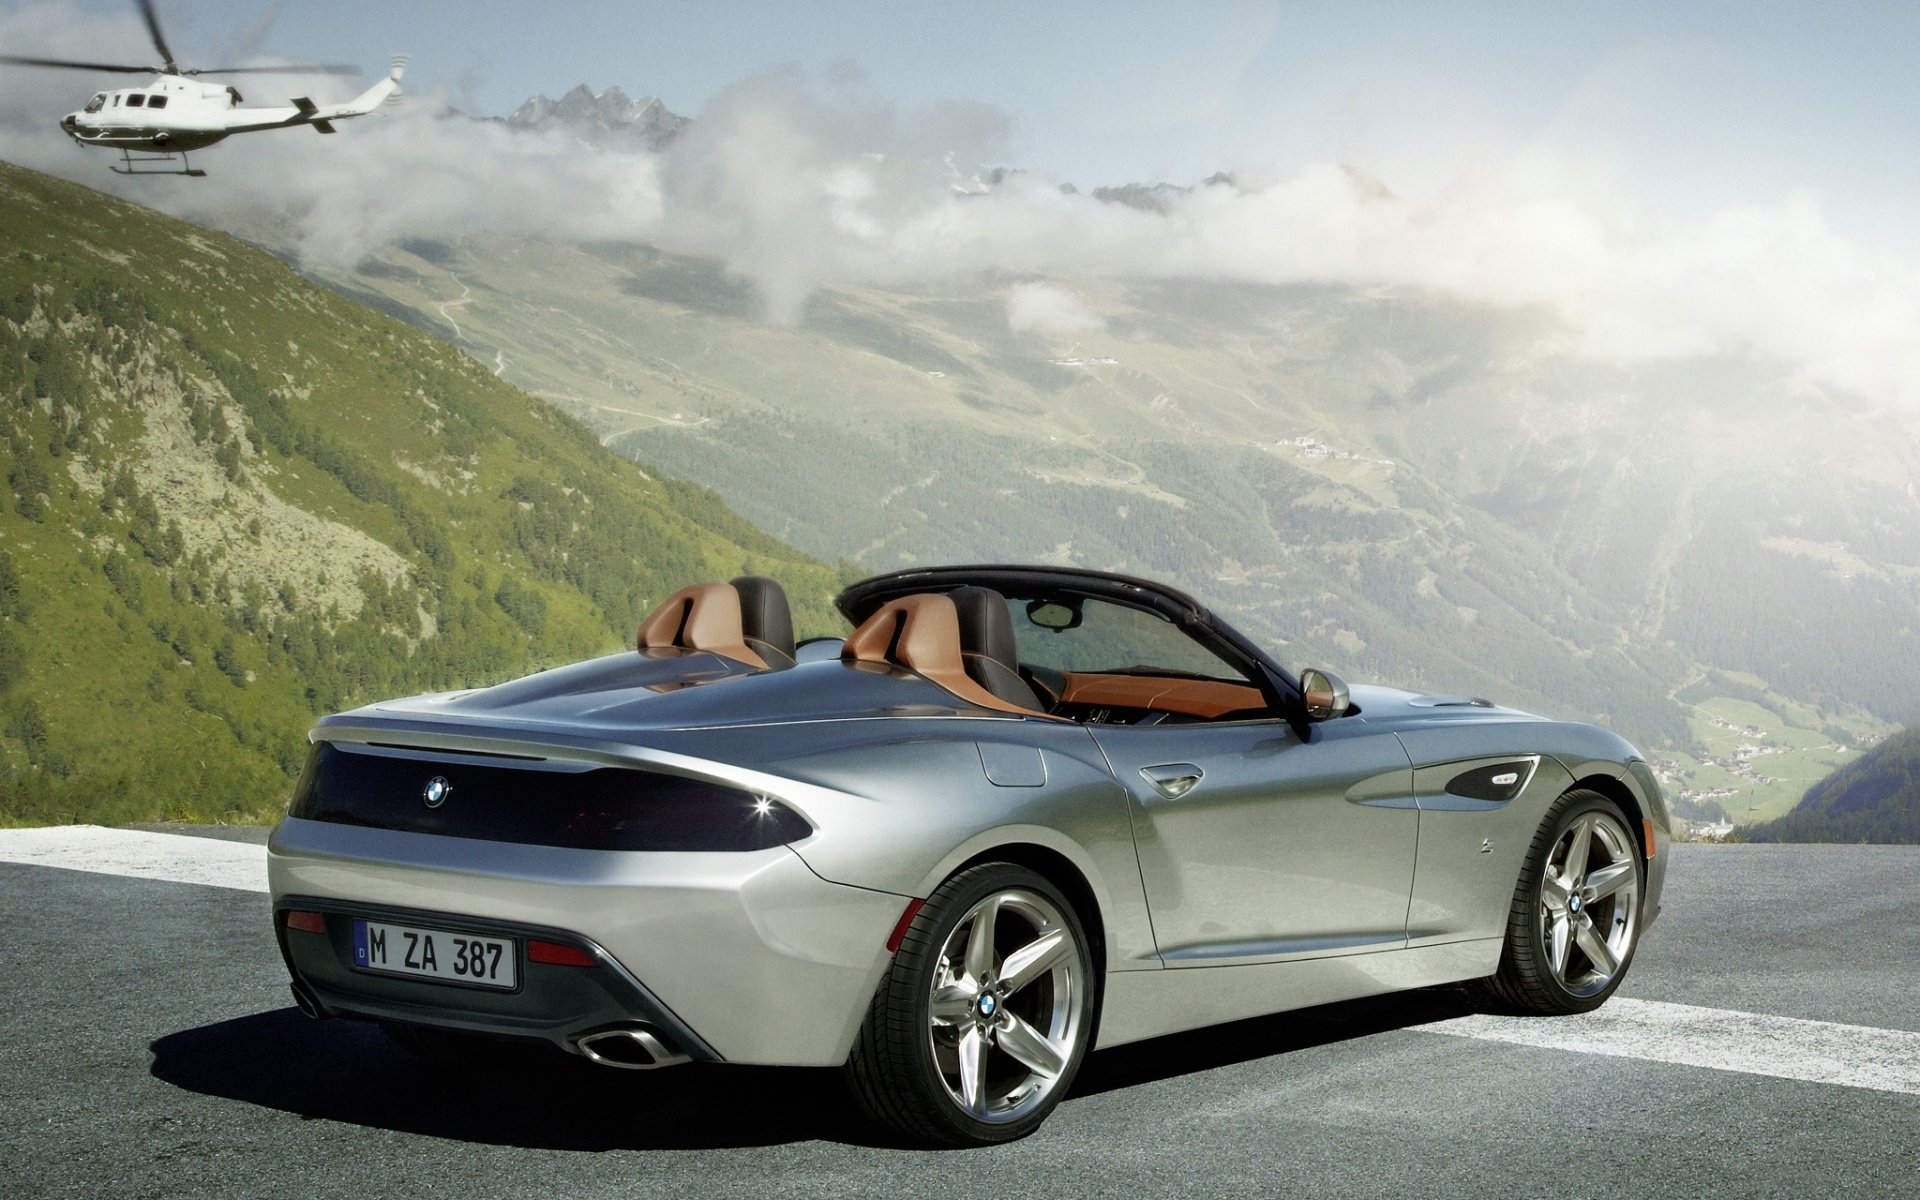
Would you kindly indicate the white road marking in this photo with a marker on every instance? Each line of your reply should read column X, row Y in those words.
column 1858, row 1056
column 172, row 857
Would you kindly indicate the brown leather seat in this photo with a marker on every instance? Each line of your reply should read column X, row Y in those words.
column 987, row 646
column 746, row 621
column 923, row 633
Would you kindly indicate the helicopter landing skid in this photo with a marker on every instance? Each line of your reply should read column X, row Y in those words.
column 151, row 164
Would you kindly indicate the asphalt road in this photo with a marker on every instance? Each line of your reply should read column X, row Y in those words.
column 148, row 1048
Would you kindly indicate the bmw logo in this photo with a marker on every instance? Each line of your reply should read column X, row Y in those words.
column 436, row 792
column 987, row 1005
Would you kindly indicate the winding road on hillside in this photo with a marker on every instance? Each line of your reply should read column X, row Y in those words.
column 1767, row 1043
column 465, row 298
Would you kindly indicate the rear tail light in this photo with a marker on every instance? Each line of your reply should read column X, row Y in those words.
column 306, row 922
column 604, row 808
column 558, row 955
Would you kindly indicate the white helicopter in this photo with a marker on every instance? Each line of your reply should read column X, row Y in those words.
column 154, row 126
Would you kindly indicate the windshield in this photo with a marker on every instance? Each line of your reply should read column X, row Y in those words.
column 1107, row 638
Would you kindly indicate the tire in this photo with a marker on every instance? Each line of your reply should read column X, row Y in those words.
column 972, row 1040
column 1575, row 918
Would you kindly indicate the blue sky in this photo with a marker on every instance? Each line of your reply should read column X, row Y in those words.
column 1694, row 106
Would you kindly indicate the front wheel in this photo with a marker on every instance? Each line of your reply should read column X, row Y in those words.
column 1575, row 917
column 984, row 1016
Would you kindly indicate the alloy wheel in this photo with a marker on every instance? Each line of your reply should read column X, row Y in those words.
column 1004, row 1009
column 1590, row 902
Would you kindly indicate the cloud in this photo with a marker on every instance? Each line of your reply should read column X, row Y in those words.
column 410, row 172
column 1051, row 312
column 795, row 191
column 797, row 186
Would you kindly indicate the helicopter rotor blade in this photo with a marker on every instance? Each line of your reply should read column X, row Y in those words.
column 314, row 69
column 159, row 39
column 121, row 68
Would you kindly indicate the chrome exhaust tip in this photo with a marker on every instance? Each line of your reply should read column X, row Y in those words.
column 304, row 1000
column 635, row 1049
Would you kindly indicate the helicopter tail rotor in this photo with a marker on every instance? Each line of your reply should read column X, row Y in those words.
column 396, row 96
column 386, row 91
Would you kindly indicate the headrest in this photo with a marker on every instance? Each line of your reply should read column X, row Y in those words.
column 765, row 620
column 987, row 647
column 709, row 617
column 986, row 628
column 921, row 633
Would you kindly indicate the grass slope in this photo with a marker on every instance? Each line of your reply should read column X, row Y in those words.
column 236, row 500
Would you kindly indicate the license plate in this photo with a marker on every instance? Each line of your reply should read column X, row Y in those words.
column 434, row 954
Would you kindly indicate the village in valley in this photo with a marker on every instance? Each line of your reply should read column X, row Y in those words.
column 1751, row 771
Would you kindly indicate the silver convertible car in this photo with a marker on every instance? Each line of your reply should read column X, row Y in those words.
column 1017, row 813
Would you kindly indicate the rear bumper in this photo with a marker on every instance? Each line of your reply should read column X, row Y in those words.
column 735, row 957
column 557, row 1004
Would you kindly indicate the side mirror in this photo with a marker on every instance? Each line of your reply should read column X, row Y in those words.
column 1324, row 694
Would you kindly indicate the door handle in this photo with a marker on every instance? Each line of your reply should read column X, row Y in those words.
column 1173, row 780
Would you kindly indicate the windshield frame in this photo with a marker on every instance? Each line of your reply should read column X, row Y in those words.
column 1276, row 683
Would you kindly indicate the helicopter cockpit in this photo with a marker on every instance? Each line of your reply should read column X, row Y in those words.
column 98, row 102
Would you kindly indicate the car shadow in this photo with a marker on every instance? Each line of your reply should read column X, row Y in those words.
column 350, row 1072
column 1264, row 1037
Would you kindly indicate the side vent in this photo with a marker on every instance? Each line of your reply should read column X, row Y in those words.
column 1496, row 784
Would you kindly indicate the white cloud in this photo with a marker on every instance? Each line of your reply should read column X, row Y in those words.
column 1050, row 311
column 795, row 190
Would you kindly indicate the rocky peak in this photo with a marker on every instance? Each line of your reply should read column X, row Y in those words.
column 607, row 119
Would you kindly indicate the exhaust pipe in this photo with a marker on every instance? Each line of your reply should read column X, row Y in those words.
column 636, row 1049
column 306, row 1002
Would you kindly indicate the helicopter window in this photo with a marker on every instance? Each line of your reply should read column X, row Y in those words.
column 136, row 100
column 98, row 102
column 157, row 102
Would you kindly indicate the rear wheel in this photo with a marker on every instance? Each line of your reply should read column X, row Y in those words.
column 985, row 1015
column 1575, row 917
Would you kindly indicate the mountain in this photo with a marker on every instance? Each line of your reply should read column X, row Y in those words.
column 1400, row 486
column 1873, row 799
column 235, row 500
column 609, row 119
column 1155, row 197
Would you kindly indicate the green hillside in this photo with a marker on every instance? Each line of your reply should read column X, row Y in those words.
column 1401, row 487
column 236, row 500
column 1873, row 799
